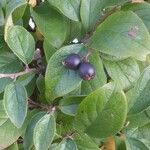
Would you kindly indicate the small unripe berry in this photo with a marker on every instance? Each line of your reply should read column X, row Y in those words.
column 86, row 71
column 72, row 61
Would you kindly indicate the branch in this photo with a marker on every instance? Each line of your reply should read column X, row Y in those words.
column 15, row 75
column 89, row 52
column 34, row 104
column 48, row 108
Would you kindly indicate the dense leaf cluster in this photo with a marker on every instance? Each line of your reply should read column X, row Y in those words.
column 44, row 105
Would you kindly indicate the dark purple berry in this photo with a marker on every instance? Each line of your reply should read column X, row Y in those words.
column 72, row 61
column 86, row 71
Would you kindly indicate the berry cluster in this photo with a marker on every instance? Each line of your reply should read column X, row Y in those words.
column 75, row 62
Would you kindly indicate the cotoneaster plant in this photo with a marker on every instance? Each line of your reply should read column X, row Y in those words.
column 74, row 75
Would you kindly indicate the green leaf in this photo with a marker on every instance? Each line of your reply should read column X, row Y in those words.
column 67, row 144
column 1, row 95
column 44, row 132
column 3, row 83
column 91, row 11
column 142, row 10
column 1, row 17
column 21, row 43
column 126, row 72
column 13, row 147
column 120, row 144
column 2, row 43
column 135, row 144
column 76, row 92
column 12, row 5
column 100, row 77
column 51, row 24
column 123, row 35
column 139, row 119
column 15, row 103
column 142, row 133
column 28, row 137
column 26, row 78
column 75, row 32
column 9, row 63
column 101, row 109
column 18, row 13
column 60, row 80
column 10, row 133
column 138, row 138
column 3, row 3
column 3, row 115
column 53, row 146
column 20, row 146
column 29, row 81
column 40, row 83
column 49, row 50
column 84, row 142
column 89, row 19
column 140, row 94
column 66, row 124
column 110, row 57
column 70, row 8
column 69, row 105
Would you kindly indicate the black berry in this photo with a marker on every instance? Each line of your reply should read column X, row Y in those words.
column 86, row 71
column 72, row 61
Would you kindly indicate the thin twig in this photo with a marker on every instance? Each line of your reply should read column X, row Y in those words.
column 34, row 104
column 15, row 75
column 69, row 135
column 90, row 50
column 48, row 108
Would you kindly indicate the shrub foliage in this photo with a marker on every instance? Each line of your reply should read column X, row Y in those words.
column 74, row 75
